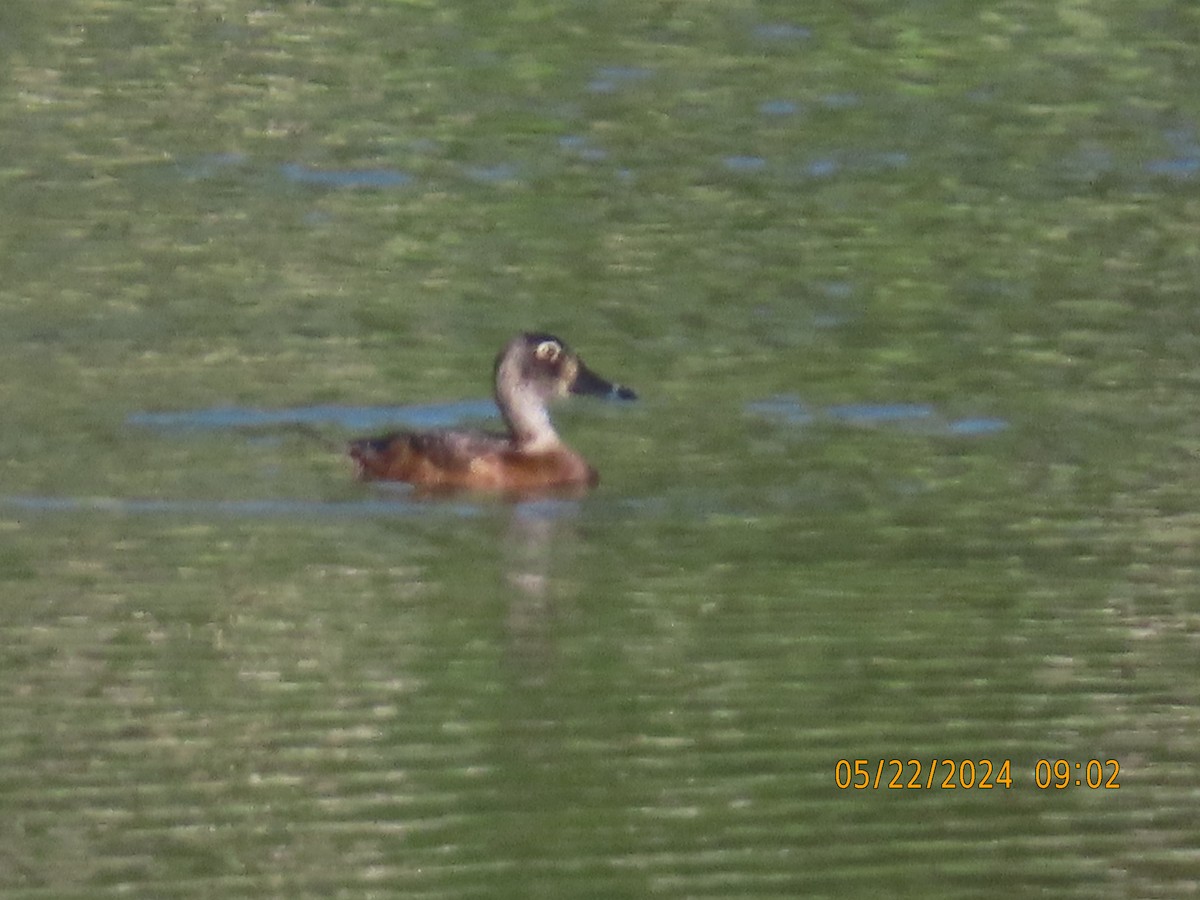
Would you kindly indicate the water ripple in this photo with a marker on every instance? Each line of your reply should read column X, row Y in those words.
column 393, row 505
column 353, row 418
column 345, row 178
column 924, row 417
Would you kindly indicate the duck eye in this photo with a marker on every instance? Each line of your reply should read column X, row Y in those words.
column 547, row 351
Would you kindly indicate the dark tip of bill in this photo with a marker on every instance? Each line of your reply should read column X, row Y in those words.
column 620, row 392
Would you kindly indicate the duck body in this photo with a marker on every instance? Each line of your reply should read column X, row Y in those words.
column 468, row 460
column 532, row 370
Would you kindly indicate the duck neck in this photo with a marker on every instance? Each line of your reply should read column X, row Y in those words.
column 527, row 419
column 522, row 405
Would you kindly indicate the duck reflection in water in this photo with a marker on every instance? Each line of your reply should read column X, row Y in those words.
column 531, row 371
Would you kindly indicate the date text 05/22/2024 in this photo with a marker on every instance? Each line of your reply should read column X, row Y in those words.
column 973, row 774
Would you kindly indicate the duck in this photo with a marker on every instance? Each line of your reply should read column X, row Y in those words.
column 531, row 371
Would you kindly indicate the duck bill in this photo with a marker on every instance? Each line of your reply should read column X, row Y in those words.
column 590, row 384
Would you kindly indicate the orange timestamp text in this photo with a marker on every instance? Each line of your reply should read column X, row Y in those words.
column 970, row 774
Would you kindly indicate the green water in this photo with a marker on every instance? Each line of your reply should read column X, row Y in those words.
column 227, row 669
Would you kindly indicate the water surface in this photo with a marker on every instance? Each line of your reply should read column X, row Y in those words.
column 907, row 294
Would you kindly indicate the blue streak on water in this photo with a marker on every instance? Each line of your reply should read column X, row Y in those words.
column 844, row 100
column 1181, row 169
column 778, row 108
column 345, row 178
column 1185, row 164
column 500, row 173
column 393, row 506
column 823, row 168
column 355, row 418
column 390, row 501
column 782, row 31
column 582, row 148
column 609, row 79
column 744, row 164
column 789, row 409
column 869, row 162
column 924, row 416
column 976, row 425
column 210, row 165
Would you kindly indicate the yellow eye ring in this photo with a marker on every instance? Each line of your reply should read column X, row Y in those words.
column 547, row 351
